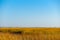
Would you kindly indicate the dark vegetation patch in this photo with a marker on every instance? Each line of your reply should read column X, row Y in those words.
column 16, row 32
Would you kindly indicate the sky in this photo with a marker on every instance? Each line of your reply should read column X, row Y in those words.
column 29, row 13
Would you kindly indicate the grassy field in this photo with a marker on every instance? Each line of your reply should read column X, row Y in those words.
column 29, row 33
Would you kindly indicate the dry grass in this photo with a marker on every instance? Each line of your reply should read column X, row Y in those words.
column 30, row 34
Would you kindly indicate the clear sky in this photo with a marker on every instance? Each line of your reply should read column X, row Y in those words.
column 29, row 13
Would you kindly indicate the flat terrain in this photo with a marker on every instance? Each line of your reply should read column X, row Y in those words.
column 29, row 33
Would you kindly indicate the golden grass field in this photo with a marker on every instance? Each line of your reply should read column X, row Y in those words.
column 29, row 33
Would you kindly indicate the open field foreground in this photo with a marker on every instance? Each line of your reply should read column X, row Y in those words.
column 29, row 33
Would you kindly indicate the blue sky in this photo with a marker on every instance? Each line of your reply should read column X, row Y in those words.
column 29, row 13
